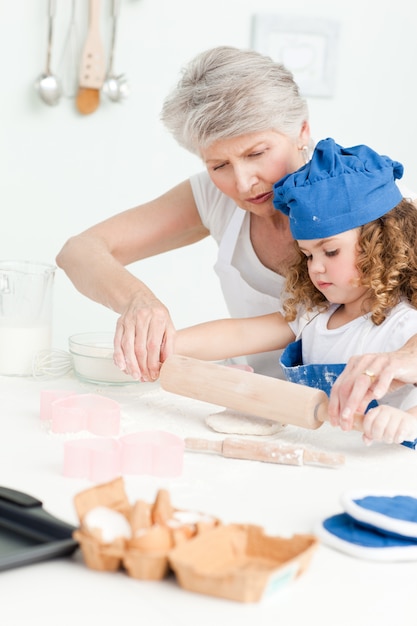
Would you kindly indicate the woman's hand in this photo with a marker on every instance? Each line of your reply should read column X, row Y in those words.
column 370, row 376
column 96, row 259
column 143, row 338
column 389, row 424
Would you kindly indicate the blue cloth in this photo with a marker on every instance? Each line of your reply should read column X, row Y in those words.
column 339, row 189
column 313, row 375
column 410, row 444
column 317, row 375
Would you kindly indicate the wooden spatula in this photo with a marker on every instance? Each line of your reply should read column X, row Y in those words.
column 92, row 70
column 254, row 394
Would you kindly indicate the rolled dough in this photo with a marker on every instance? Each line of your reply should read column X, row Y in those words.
column 233, row 422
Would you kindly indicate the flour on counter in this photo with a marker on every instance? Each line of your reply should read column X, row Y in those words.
column 233, row 422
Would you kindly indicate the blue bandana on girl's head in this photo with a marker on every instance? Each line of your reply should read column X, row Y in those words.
column 339, row 189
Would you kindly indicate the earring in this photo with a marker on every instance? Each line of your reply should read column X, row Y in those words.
column 306, row 154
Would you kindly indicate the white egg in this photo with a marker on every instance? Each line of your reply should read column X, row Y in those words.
column 109, row 522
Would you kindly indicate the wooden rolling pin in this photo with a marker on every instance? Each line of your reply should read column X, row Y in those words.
column 250, row 393
column 268, row 451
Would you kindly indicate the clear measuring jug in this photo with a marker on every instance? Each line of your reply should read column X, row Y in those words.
column 26, row 290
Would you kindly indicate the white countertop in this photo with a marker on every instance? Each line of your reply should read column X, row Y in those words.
column 336, row 590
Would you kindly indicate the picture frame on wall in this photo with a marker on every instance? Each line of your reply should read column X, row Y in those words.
column 305, row 45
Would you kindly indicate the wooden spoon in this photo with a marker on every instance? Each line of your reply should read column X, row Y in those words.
column 92, row 70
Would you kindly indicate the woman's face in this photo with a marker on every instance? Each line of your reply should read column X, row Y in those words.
column 245, row 168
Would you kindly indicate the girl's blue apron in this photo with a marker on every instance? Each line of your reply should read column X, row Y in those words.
column 317, row 375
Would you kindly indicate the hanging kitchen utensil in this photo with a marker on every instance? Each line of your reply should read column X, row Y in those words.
column 47, row 84
column 69, row 62
column 115, row 86
column 92, row 69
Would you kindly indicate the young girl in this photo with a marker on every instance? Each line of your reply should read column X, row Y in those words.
column 351, row 289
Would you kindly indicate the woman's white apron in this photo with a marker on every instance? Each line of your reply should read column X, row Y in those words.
column 242, row 299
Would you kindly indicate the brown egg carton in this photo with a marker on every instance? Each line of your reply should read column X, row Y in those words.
column 156, row 529
column 236, row 561
column 240, row 562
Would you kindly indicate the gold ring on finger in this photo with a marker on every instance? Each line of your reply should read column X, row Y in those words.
column 370, row 374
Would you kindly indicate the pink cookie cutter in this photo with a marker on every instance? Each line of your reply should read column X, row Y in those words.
column 47, row 398
column 152, row 452
column 98, row 415
column 155, row 453
column 95, row 459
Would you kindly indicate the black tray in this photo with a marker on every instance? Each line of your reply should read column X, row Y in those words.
column 28, row 534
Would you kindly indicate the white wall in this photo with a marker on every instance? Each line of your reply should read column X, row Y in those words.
column 61, row 171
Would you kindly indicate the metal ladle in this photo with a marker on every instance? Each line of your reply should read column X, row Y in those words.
column 47, row 84
column 115, row 86
column 68, row 65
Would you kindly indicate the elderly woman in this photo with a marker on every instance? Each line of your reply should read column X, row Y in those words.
column 242, row 113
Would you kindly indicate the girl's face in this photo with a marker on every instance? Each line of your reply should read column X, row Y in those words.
column 332, row 267
column 245, row 168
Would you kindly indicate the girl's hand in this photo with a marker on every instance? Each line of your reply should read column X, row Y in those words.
column 367, row 377
column 389, row 424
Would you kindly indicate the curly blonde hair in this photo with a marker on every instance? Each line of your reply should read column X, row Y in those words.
column 386, row 262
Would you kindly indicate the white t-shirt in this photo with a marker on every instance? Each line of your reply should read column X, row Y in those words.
column 323, row 345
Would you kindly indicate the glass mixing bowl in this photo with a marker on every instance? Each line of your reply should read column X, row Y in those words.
column 92, row 356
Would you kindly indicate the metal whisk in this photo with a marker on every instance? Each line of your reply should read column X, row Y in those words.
column 49, row 364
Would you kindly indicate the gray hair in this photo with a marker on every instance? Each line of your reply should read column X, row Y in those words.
column 225, row 92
